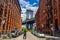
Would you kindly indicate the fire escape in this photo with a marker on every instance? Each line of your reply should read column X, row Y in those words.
column 49, row 14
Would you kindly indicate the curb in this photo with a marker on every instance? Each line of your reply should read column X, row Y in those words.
column 46, row 36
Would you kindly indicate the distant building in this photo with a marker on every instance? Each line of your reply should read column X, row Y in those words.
column 29, row 14
column 29, row 19
column 48, row 14
column 10, row 17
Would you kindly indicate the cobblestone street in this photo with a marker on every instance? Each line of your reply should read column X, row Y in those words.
column 29, row 20
column 32, row 37
column 29, row 37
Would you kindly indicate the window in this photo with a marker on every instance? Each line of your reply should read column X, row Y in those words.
column 48, row 2
column 3, row 26
column 9, row 13
column 0, row 11
column 4, row 17
column 11, row 0
column 50, row 14
column 7, row 4
column 55, row 12
column 0, row 22
column 49, row 7
column 54, row 2
column 2, row 2
column 47, row 25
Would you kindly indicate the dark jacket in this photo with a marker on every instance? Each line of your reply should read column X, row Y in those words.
column 24, row 33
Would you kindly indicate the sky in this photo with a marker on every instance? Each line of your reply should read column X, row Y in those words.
column 28, row 4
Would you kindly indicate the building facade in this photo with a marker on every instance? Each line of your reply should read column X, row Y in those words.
column 10, row 17
column 48, row 16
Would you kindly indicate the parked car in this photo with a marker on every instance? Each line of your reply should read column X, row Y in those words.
column 19, row 33
column 13, row 33
column 35, row 33
column 32, row 32
column 16, row 33
column 40, row 34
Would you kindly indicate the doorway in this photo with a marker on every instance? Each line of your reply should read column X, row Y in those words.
column 56, row 24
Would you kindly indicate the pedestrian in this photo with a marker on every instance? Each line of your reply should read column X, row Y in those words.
column 24, row 35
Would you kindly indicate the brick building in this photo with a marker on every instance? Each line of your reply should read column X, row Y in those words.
column 10, row 17
column 48, row 15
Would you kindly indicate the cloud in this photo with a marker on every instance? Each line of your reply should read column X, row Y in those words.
column 37, row 0
column 34, row 3
column 23, row 10
column 24, row 3
column 23, row 17
column 34, row 8
column 23, row 14
column 28, row 5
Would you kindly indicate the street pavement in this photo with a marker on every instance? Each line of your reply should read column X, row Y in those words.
column 32, row 37
column 29, row 37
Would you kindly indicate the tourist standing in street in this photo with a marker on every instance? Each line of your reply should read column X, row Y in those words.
column 24, row 35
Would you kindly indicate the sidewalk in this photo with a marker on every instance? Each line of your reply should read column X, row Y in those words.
column 52, row 37
column 47, row 36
